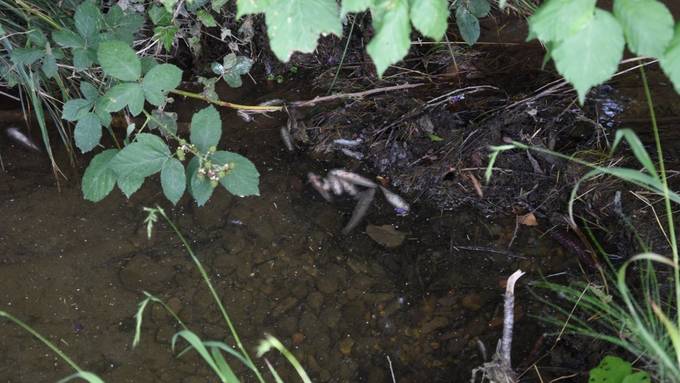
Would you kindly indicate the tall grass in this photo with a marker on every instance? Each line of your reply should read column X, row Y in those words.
column 642, row 318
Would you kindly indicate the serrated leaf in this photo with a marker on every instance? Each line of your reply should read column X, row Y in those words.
column 468, row 25
column 160, row 16
column 88, row 132
column 121, row 95
column 242, row 178
column 430, row 17
column 99, row 178
column 193, row 5
column 119, row 60
column 129, row 184
column 479, row 8
column 200, row 188
column 670, row 62
column 206, row 129
column 49, row 66
column 610, row 369
column 148, row 62
column 88, row 19
column 166, row 35
column 26, row 56
column 247, row 7
column 637, row 377
column 68, row 39
column 217, row 5
column 233, row 80
column 104, row 116
column 82, row 59
column 161, row 79
column 206, row 18
column 37, row 37
column 141, row 158
column 556, row 20
column 647, row 25
column 88, row 91
column 123, row 25
column 295, row 25
column 592, row 55
column 392, row 38
column 349, row 6
column 75, row 109
column 173, row 180
column 169, row 5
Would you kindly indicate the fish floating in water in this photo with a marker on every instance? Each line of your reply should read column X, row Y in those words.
column 340, row 181
column 16, row 135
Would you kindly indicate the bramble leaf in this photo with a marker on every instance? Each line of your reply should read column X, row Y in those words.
column 173, row 180
column 430, row 17
column 349, row 6
column 206, row 129
column 199, row 187
column 119, row 60
column 468, row 25
column 68, row 39
column 670, row 61
column 88, row 132
column 75, row 109
column 127, row 93
column 159, row 81
column 141, row 158
column 556, row 20
column 392, row 38
column 242, row 178
column 592, row 55
column 99, row 178
column 88, row 19
column 129, row 184
column 647, row 25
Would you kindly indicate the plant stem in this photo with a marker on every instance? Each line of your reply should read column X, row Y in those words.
column 42, row 339
column 216, row 297
column 198, row 96
column 344, row 53
column 666, row 195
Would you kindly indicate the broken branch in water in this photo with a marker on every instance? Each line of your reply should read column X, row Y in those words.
column 297, row 104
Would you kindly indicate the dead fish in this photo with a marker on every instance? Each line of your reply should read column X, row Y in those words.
column 335, row 185
column 350, row 143
column 353, row 178
column 353, row 154
column 16, row 135
column 319, row 185
column 287, row 139
column 400, row 206
column 365, row 200
column 348, row 187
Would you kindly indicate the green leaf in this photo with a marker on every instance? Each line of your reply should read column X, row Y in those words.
column 75, row 109
column 468, row 25
column 37, row 37
column 166, row 35
column 556, row 20
column 160, row 15
column 193, row 5
column 129, row 184
column 68, row 39
column 148, row 62
column 88, row 19
column 206, row 18
column 295, row 25
column 88, row 91
column 82, row 58
column 349, row 6
column 119, row 60
column 392, row 38
column 217, row 5
column 173, row 180
column 592, row 55
column 434, row 138
column 479, row 8
column 638, row 377
column 206, row 129
column 647, row 25
column 430, row 16
column 239, row 65
column 159, row 81
column 141, row 158
column 88, row 132
column 123, row 26
column 242, row 178
column 611, row 369
column 199, row 187
column 127, row 93
column 26, row 56
column 49, row 66
column 99, row 178
column 247, row 7
column 670, row 62
column 100, row 111
column 169, row 5
column 233, row 80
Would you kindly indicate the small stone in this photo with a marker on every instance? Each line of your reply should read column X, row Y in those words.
column 298, row 338
column 472, row 302
column 346, row 346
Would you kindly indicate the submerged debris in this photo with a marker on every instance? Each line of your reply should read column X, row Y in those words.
column 16, row 135
column 340, row 181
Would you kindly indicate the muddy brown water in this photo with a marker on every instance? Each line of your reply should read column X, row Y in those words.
column 75, row 271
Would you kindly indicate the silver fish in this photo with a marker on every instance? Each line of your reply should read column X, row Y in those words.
column 336, row 185
column 16, row 135
column 353, row 178
column 400, row 206
column 319, row 185
column 348, row 187
column 365, row 200
column 287, row 139
column 350, row 143
column 352, row 153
